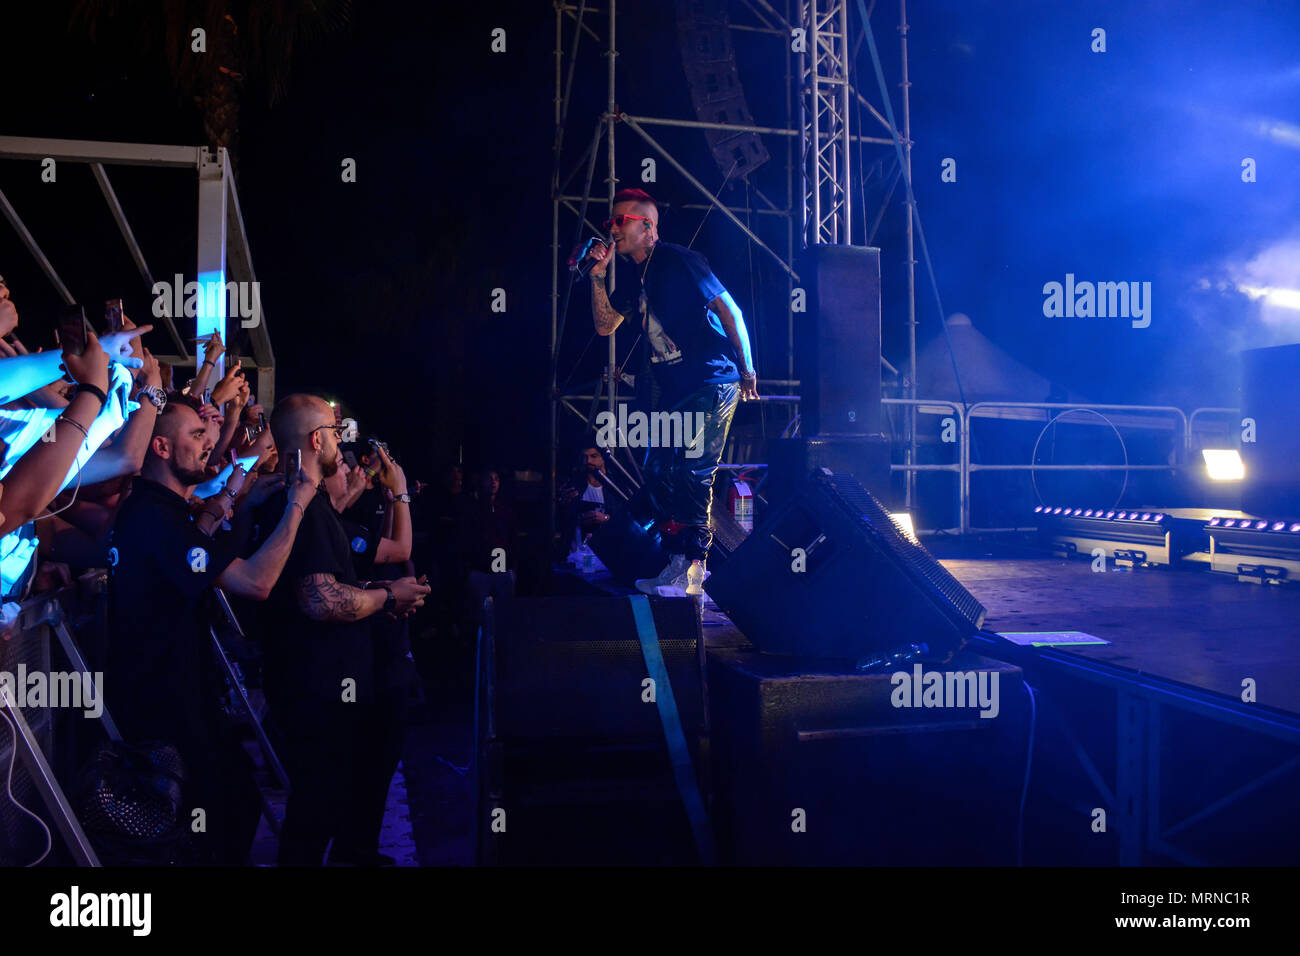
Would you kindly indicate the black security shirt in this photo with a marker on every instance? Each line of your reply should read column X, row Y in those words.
column 160, row 679
column 686, row 344
column 306, row 659
column 363, row 542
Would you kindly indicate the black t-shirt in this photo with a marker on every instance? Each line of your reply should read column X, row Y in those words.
column 687, row 346
column 364, row 544
column 160, row 679
column 306, row 659
column 365, row 520
column 389, row 638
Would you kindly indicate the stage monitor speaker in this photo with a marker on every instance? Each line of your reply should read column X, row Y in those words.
column 1270, row 395
column 830, row 575
column 627, row 549
column 792, row 460
column 837, row 341
column 728, row 535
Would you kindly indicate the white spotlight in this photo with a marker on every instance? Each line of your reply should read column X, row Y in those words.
column 1224, row 465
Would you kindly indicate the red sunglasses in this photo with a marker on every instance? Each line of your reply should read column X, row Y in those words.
column 622, row 218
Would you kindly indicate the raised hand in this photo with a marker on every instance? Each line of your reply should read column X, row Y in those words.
column 91, row 366
column 228, row 387
column 118, row 346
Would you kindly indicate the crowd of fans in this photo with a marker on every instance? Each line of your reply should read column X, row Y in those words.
column 183, row 488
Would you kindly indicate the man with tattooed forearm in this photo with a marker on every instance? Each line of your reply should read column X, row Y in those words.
column 318, row 656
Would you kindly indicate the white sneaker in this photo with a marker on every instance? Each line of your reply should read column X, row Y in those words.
column 668, row 577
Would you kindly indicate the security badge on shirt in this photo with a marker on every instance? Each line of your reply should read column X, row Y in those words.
column 665, row 349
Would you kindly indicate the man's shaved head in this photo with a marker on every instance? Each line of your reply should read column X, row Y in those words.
column 295, row 416
column 644, row 203
column 176, row 415
column 298, row 423
column 179, row 447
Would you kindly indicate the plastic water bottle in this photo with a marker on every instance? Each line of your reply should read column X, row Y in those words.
column 695, row 578
column 894, row 659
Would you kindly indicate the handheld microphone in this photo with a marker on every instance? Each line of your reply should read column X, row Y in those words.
column 578, row 262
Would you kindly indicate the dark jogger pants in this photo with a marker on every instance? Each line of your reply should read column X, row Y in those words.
column 679, row 481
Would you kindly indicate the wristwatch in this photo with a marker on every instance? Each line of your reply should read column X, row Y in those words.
column 157, row 397
column 391, row 604
column 403, row 497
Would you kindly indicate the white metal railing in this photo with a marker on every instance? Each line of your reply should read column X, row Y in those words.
column 1178, row 421
column 969, row 467
column 1210, row 410
column 912, row 467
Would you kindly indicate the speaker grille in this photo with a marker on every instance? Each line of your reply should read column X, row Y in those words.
column 917, row 562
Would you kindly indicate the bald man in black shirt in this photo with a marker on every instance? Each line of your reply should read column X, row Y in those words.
column 318, row 668
column 161, row 680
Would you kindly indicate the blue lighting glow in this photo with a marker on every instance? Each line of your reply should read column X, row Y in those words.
column 24, row 374
column 211, row 313
column 214, row 485
column 16, row 551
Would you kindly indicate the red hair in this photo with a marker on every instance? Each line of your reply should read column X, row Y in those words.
column 635, row 195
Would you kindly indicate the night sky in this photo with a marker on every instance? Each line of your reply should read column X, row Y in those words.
column 1115, row 166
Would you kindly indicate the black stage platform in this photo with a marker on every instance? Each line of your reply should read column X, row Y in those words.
column 1185, row 728
column 1177, row 743
column 1196, row 627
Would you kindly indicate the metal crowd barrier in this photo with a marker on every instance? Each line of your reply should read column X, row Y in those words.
column 965, row 468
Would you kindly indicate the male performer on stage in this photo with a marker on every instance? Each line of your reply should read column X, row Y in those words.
column 699, row 362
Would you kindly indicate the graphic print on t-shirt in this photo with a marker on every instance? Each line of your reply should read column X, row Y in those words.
column 665, row 349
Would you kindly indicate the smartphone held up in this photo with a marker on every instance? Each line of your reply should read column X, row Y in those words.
column 71, row 330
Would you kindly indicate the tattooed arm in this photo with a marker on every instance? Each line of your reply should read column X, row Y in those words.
column 603, row 313
column 324, row 598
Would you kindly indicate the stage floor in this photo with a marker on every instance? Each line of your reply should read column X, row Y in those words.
column 1195, row 627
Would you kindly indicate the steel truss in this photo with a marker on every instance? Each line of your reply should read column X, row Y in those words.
column 223, row 252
